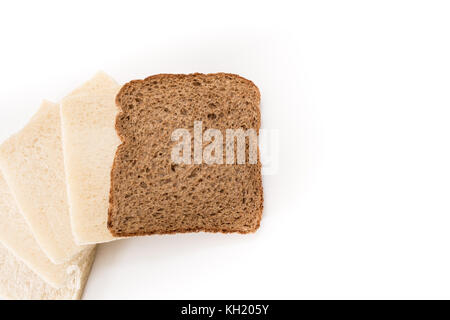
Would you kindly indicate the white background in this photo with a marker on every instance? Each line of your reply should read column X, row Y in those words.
column 360, row 93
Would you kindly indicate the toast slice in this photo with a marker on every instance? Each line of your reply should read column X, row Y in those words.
column 16, row 235
column 89, row 143
column 150, row 193
column 33, row 167
column 18, row 282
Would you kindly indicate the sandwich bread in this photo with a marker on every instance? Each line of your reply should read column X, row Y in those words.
column 150, row 194
column 89, row 143
column 32, row 164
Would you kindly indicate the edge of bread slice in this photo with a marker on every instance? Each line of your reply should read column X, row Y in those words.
column 33, row 167
column 15, row 234
column 89, row 143
column 18, row 282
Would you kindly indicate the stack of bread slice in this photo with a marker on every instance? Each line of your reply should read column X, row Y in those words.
column 97, row 167
column 39, row 257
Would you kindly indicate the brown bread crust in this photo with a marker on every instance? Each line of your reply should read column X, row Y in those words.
column 151, row 195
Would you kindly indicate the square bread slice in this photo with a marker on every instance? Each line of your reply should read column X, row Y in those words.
column 150, row 193
column 16, row 235
column 32, row 165
column 18, row 282
column 89, row 143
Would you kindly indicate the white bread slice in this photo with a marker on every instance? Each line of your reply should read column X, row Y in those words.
column 32, row 164
column 17, row 281
column 16, row 235
column 90, row 141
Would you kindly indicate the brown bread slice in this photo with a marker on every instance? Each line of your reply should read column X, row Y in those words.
column 149, row 193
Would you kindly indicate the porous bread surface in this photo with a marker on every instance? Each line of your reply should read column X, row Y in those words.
column 16, row 235
column 89, row 143
column 149, row 193
column 32, row 165
column 18, row 282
